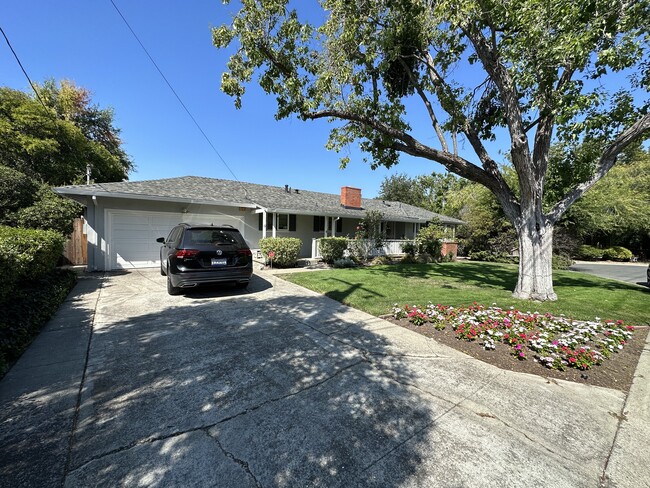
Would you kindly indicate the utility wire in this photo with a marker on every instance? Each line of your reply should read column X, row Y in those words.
column 174, row 92
column 24, row 71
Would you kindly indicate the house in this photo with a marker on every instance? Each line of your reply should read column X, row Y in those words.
column 123, row 219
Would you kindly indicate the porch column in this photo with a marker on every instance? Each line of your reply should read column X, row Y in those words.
column 264, row 224
column 334, row 220
column 326, row 229
column 274, row 231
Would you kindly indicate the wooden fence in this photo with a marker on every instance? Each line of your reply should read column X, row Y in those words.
column 75, row 250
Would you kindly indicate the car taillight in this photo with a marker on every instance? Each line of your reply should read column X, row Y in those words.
column 245, row 252
column 186, row 253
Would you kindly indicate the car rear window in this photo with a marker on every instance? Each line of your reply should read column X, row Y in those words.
column 213, row 236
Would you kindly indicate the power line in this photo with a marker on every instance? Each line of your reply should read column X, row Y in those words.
column 24, row 70
column 174, row 92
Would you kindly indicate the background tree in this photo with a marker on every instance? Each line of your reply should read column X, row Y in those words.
column 530, row 71
column 55, row 144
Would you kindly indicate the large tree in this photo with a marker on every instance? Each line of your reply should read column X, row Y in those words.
column 53, row 138
column 531, row 72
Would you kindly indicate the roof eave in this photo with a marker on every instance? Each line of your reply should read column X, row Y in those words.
column 134, row 196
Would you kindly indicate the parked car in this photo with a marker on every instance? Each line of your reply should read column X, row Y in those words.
column 647, row 276
column 202, row 254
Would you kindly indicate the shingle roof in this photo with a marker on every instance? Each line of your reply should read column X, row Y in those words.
column 272, row 198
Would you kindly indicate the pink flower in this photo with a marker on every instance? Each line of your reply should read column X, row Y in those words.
column 271, row 254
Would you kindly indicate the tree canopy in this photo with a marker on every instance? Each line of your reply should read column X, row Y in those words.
column 55, row 143
column 531, row 72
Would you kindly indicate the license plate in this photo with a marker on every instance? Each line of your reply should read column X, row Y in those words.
column 219, row 262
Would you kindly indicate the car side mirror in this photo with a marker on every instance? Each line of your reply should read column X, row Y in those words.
column 161, row 240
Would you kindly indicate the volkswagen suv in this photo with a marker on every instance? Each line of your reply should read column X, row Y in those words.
column 201, row 254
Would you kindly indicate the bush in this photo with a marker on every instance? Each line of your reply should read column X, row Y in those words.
column 408, row 259
column 285, row 249
column 17, row 190
column 381, row 260
column 26, row 254
column 32, row 304
column 344, row 263
column 493, row 257
column 409, row 248
column 617, row 253
column 561, row 261
column 427, row 241
column 332, row 248
column 50, row 212
column 589, row 253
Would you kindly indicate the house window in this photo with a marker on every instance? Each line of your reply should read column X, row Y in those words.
column 319, row 224
column 286, row 222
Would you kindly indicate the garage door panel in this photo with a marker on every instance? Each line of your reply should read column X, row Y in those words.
column 133, row 238
column 133, row 234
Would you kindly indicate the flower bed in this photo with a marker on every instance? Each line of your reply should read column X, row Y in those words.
column 555, row 342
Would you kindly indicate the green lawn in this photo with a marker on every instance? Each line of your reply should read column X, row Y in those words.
column 375, row 290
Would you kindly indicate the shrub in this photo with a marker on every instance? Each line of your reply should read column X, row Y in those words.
column 332, row 248
column 589, row 253
column 17, row 190
column 26, row 254
column 427, row 241
column 493, row 257
column 381, row 260
column 360, row 249
column 408, row 259
column 344, row 263
column 409, row 248
column 32, row 304
column 617, row 253
column 560, row 261
column 50, row 212
column 425, row 258
column 285, row 250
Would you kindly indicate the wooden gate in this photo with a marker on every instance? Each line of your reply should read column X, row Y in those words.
column 75, row 250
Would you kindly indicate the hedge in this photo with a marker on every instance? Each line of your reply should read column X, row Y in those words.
column 589, row 253
column 26, row 254
column 32, row 304
column 617, row 253
column 285, row 250
column 332, row 248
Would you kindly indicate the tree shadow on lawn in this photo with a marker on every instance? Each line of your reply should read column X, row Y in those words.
column 282, row 383
column 495, row 276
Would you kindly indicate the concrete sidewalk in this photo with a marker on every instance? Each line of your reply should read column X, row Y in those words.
column 280, row 386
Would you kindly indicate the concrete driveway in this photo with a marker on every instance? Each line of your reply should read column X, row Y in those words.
column 279, row 386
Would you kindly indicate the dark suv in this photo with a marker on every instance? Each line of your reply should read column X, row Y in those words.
column 197, row 254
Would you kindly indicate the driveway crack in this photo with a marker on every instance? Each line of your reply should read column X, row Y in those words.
column 240, row 462
column 207, row 427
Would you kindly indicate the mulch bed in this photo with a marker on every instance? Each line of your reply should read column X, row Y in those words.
column 616, row 372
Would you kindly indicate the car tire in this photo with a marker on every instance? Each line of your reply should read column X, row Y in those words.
column 162, row 269
column 171, row 289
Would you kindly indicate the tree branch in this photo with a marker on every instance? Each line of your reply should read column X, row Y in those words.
column 454, row 163
column 427, row 104
column 607, row 160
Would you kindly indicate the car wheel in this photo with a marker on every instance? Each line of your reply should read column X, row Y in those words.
column 242, row 285
column 162, row 268
column 171, row 289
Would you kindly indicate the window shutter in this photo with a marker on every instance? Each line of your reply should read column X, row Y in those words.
column 292, row 222
column 315, row 223
column 261, row 222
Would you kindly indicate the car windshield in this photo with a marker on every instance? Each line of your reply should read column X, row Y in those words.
column 210, row 236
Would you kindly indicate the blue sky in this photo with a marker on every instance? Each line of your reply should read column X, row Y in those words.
column 87, row 42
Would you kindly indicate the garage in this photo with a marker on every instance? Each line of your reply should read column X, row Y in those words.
column 131, row 235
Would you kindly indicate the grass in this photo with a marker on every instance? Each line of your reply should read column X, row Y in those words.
column 375, row 289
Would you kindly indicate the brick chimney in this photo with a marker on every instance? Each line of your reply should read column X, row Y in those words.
column 350, row 197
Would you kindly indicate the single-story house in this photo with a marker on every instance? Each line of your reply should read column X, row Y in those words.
column 123, row 219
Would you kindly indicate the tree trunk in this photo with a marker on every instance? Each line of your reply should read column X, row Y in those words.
column 535, row 280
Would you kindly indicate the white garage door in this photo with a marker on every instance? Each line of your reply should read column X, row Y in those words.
column 132, row 235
